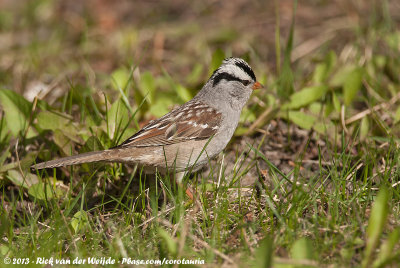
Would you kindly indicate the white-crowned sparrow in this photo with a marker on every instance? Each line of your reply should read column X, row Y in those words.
column 185, row 138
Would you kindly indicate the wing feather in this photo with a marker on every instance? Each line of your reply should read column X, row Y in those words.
column 192, row 121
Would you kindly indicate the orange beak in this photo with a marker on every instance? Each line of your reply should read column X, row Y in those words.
column 257, row 85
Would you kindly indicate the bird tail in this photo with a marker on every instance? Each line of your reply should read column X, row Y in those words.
column 89, row 157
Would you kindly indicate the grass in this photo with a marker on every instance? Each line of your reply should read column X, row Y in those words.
column 310, row 179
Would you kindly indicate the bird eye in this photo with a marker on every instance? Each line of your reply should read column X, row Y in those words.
column 246, row 82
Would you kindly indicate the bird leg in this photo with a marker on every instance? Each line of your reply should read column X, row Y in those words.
column 178, row 179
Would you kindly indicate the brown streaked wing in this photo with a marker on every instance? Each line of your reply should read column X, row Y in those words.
column 199, row 122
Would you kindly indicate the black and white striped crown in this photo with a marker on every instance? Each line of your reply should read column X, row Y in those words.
column 234, row 69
